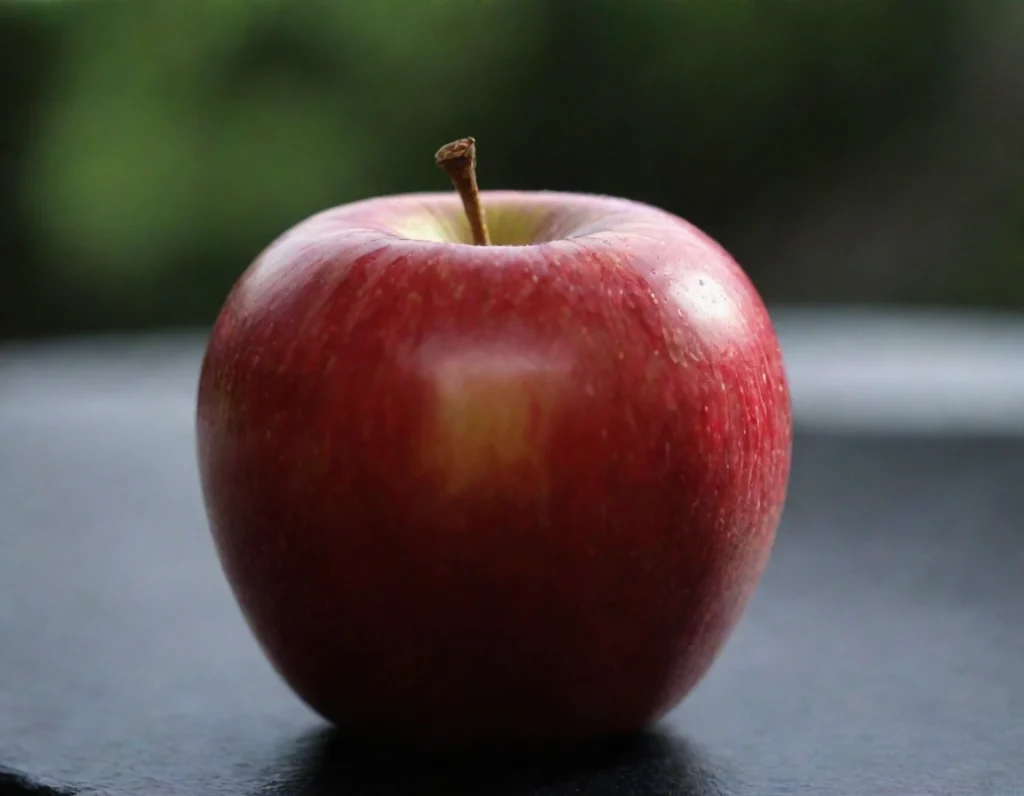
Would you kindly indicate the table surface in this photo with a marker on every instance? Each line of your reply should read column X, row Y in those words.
column 882, row 653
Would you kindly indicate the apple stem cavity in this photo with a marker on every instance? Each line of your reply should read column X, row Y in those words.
column 458, row 159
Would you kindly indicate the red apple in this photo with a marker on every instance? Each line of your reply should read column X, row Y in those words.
column 511, row 492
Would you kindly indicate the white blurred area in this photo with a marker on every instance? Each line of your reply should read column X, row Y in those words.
column 905, row 372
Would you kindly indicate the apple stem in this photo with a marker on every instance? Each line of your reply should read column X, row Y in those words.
column 458, row 159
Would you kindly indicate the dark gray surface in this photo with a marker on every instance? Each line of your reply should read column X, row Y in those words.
column 883, row 654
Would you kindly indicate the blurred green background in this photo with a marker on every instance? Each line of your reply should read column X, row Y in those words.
column 865, row 151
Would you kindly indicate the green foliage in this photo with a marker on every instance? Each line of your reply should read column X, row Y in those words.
column 172, row 140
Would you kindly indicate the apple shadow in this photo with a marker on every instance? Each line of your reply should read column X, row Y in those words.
column 329, row 762
column 14, row 783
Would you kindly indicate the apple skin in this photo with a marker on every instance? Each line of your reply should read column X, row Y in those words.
column 482, row 494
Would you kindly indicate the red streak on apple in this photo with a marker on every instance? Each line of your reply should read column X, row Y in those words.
column 514, row 492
